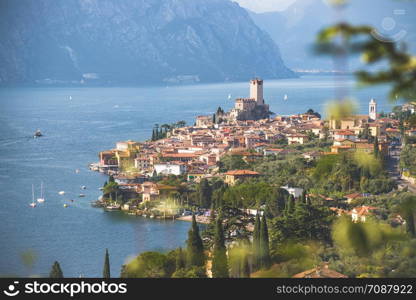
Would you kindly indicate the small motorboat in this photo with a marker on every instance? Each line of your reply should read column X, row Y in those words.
column 65, row 205
column 81, row 195
column 83, row 187
column 61, row 193
column 112, row 207
column 37, row 133
column 77, row 171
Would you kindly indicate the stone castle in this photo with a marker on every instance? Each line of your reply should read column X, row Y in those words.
column 252, row 108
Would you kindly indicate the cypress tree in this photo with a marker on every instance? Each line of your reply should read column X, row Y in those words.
column 245, row 268
column 410, row 224
column 376, row 149
column 205, row 193
column 106, row 269
column 219, row 261
column 153, row 134
column 256, row 242
column 265, row 260
column 290, row 205
column 180, row 260
column 56, row 271
column 195, row 248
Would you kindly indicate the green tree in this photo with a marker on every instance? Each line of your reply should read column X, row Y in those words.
column 153, row 135
column 245, row 267
column 290, row 206
column 180, row 260
column 56, row 271
column 376, row 148
column 265, row 260
column 106, row 269
column 146, row 265
column 195, row 248
column 256, row 242
column 205, row 193
column 407, row 208
column 219, row 261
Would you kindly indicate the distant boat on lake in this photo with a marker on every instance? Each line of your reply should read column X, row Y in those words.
column 41, row 199
column 33, row 204
column 37, row 133
column 61, row 193
column 285, row 97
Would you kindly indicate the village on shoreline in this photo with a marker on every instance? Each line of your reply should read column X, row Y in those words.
column 152, row 178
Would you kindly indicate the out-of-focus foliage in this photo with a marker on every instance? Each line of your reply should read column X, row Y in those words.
column 338, row 110
column 146, row 265
column 29, row 258
column 343, row 38
column 367, row 162
column 363, row 238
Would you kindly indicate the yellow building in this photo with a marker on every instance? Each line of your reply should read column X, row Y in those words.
column 231, row 177
column 125, row 154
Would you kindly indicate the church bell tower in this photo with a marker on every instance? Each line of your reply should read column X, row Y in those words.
column 372, row 110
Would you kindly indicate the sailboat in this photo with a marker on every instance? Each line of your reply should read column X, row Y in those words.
column 285, row 97
column 42, row 198
column 229, row 96
column 70, row 97
column 33, row 204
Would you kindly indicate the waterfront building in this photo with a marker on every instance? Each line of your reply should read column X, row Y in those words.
column 252, row 108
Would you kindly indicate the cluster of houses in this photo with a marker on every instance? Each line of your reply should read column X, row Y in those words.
column 194, row 151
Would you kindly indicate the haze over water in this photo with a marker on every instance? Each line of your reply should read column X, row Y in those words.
column 75, row 131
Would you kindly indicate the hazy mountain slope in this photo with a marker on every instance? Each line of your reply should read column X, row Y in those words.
column 295, row 28
column 132, row 42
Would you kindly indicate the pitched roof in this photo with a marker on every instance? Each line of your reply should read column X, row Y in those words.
column 241, row 172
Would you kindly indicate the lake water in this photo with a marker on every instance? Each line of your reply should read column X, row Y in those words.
column 75, row 131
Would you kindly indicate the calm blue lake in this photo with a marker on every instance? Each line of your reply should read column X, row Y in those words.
column 75, row 131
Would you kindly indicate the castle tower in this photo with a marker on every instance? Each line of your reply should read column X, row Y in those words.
column 256, row 90
column 372, row 110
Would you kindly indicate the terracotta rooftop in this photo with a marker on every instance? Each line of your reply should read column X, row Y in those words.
column 242, row 172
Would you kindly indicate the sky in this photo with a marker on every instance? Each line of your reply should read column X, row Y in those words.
column 260, row 6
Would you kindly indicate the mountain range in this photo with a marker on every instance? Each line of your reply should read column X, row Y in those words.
column 295, row 28
column 132, row 42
